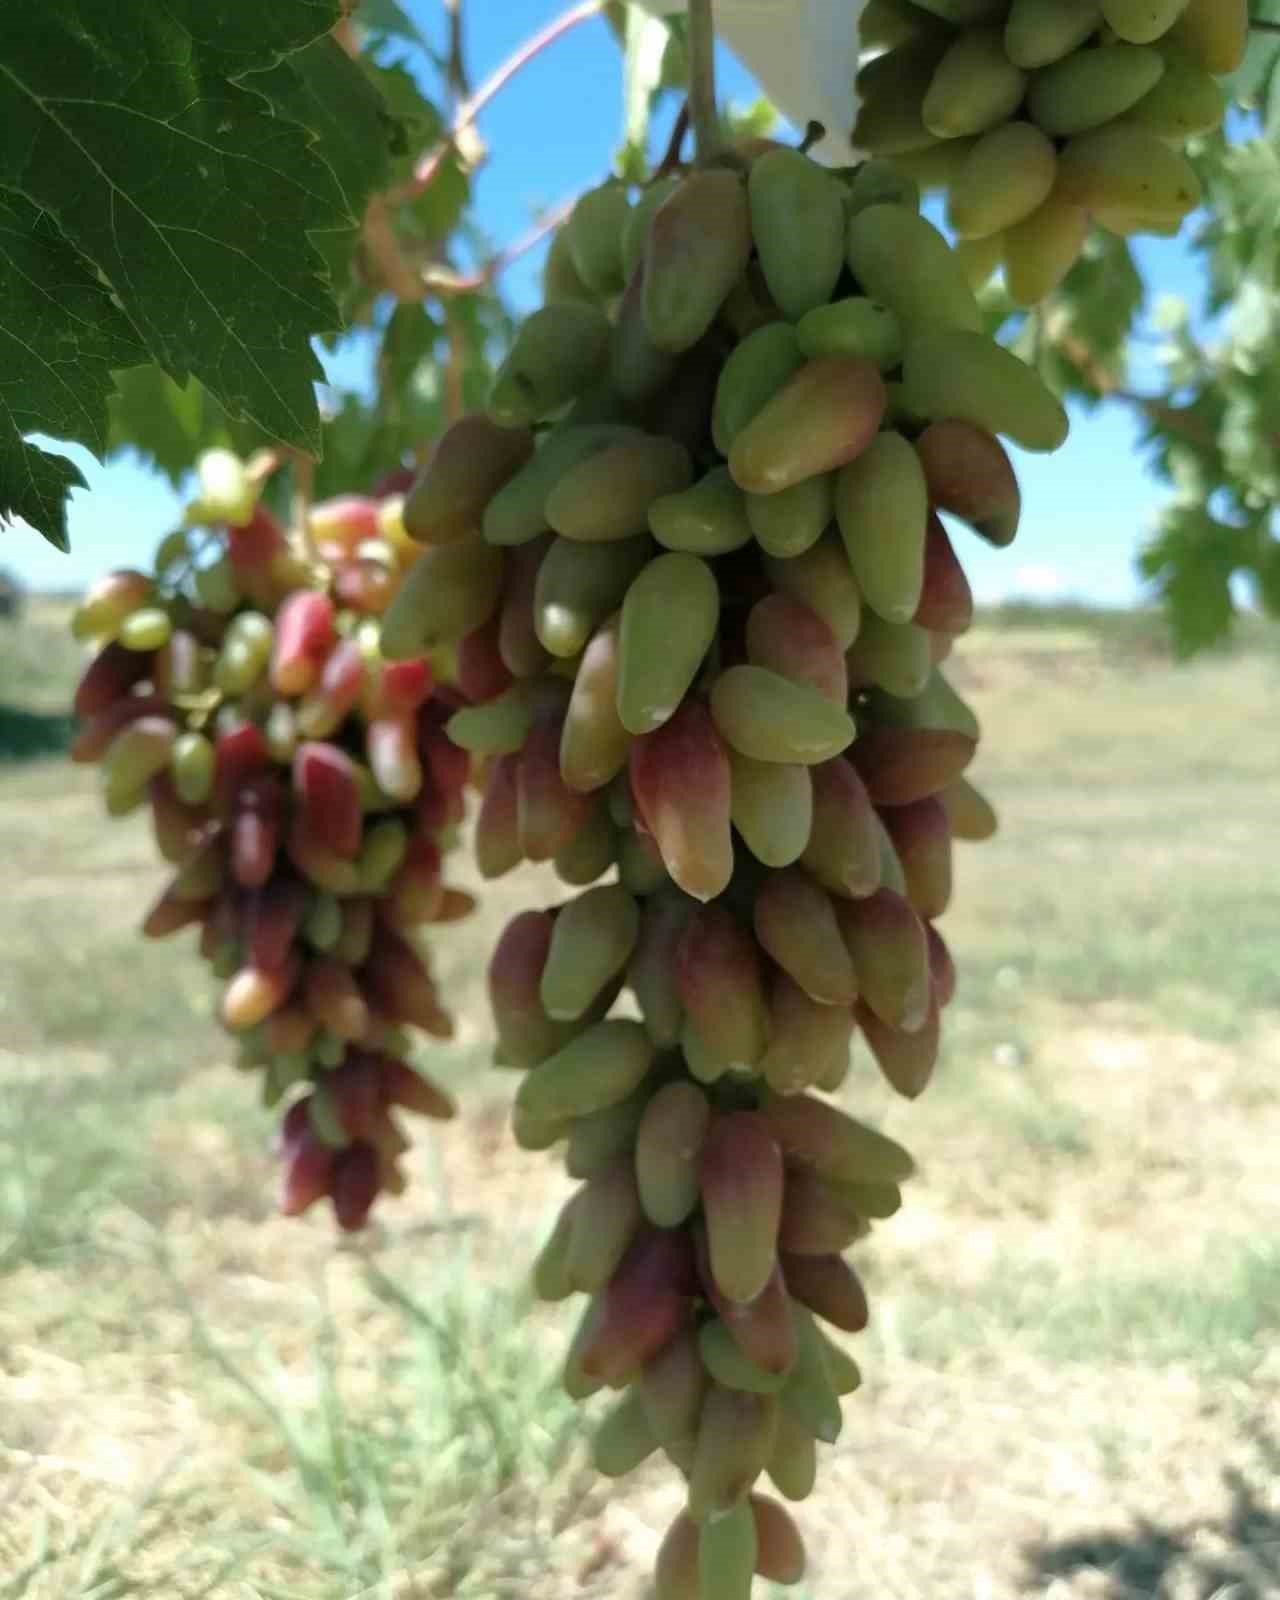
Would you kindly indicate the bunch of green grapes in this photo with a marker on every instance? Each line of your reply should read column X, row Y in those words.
column 1041, row 117
column 304, row 789
column 693, row 563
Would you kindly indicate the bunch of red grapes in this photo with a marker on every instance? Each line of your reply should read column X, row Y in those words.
column 304, row 791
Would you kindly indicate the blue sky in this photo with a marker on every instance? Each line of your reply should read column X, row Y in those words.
column 551, row 133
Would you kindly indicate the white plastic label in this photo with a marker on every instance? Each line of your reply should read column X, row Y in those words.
column 803, row 53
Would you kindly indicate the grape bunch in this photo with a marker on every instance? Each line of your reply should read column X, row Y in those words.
column 1040, row 117
column 304, row 789
column 693, row 563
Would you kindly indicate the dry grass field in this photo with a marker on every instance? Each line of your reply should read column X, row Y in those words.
column 1073, row 1373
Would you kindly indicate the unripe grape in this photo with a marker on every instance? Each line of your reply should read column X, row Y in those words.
column 227, row 494
column 668, row 1152
column 598, row 1068
column 727, row 1552
column 623, row 1439
column 793, row 1464
column 594, row 744
column 143, row 748
column 558, row 351
column 758, row 367
column 108, row 602
column 798, row 223
column 147, row 629
column 604, row 1225
column 735, row 1440
column 698, row 244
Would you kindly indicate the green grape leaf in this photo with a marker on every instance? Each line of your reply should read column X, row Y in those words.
column 1183, row 440
column 34, row 485
column 321, row 88
column 168, row 424
column 388, row 20
column 196, row 204
column 61, row 334
column 409, row 340
column 164, row 422
column 437, row 211
column 360, row 447
column 1266, row 576
column 419, row 120
column 1191, row 561
column 1241, row 236
column 364, row 440
column 478, row 324
column 1097, row 306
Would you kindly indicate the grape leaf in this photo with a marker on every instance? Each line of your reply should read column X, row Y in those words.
column 1191, row 561
column 1266, row 576
column 60, row 336
column 363, row 440
column 168, row 424
column 419, row 119
column 361, row 446
column 325, row 91
column 1100, row 301
column 34, row 485
column 195, row 203
column 388, row 20
column 410, row 338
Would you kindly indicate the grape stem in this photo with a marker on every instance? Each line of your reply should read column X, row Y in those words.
column 304, row 478
column 702, row 82
column 470, row 109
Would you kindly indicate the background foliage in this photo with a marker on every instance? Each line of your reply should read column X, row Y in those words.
column 193, row 199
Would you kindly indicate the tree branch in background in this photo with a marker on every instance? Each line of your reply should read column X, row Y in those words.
column 396, row 274
column 702, row 81
column 442, row 282
column 456, row 62
column 471, row 108
column 1173, row 419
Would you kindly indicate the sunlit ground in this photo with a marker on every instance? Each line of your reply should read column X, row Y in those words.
column 1073, row 1373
